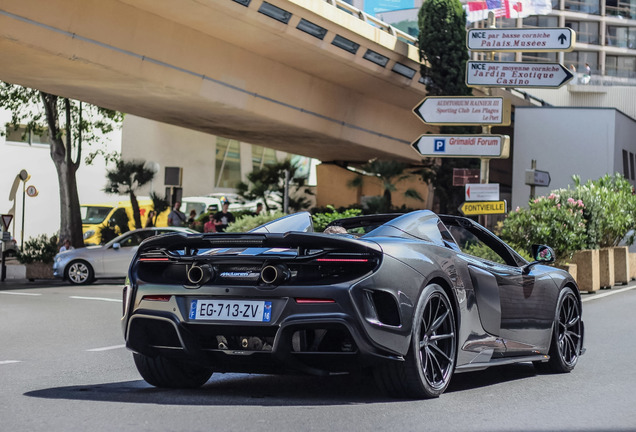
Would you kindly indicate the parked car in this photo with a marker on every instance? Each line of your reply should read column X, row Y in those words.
column 84, row 265
column 413, row 298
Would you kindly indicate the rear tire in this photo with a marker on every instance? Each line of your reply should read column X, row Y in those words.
column 567, row 335
column 171, row 373
column 430, row 362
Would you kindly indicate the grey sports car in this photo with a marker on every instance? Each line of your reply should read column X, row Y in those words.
column 111, row 260
column 412, row 298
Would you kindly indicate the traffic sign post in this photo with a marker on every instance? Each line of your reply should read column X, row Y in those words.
column 481, row 192
column 512, row 74
column 5, row 222
column 521, row 39
column 465, row 111
column 537, row 178
column 477, row 208
column 473, row 146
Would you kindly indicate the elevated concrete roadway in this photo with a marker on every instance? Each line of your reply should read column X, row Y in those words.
column 302, row 76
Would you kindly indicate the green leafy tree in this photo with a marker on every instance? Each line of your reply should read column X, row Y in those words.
column 321, row 220
column 267, row 185
column 442, row 44
column 159, row 205
column 69, row 125
column 126, row 178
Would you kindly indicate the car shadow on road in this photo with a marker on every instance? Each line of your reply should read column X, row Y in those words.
column 270, row 390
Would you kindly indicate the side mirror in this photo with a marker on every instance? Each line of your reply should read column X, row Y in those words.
column 116, row 246
column 542, row 254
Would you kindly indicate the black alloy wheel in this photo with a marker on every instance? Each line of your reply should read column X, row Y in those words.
column 429, row 365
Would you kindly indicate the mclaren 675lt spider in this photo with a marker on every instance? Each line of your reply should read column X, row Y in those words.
column 412, row 298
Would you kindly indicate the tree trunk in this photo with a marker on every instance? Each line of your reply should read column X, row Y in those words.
column 70, row 216
column 135, row 209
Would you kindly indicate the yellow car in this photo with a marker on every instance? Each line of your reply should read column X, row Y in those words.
column 97, row 216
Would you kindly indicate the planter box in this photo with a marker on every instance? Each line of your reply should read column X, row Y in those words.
column 570, row 268
column 587, row 269
column 621, row 265
column 39, row 271
column 606, row 266
column 632, row 265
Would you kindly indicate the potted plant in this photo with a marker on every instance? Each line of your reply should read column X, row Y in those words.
column 37, row 255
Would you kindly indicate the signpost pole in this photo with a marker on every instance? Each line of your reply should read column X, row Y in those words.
column 533, row 166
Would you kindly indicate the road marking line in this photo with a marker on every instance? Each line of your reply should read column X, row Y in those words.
column 20, row 293
column 608, row 293
column 107, row 348
column 96, row 298
column 3, row 362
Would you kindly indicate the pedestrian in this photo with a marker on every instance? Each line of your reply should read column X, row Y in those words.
column 66, row 246
column 176, row 216
column 209, row 226
column 223, row 218
column 587, row 75
column 259, row 209
column 150, row 220
column 192, row 219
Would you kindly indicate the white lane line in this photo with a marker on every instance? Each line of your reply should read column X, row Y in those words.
column 96, row 298
column 4, row 362
column 20, row 293
column 607, row 293
column 107, row 348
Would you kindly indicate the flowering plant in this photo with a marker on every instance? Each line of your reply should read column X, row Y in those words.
column 555, row 220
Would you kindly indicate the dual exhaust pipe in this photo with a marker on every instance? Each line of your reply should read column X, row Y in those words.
column 270, row 274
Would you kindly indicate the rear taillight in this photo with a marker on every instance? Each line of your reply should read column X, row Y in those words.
column 161, row 298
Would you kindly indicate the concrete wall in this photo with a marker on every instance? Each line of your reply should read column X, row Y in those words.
column 565, row 141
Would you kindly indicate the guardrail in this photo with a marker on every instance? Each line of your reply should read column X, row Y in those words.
column 340, row 4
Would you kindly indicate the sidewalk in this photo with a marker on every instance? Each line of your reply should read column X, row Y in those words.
column 15, row 278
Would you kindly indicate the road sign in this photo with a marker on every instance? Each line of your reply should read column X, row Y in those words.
column 31, row 191
column 458, row 110
column 477, row 146
column 521, row 39
column 6, row 236
column 537, row 178
column 503, row 74
column 481, row 192
column 474, row 208
column 6, row 221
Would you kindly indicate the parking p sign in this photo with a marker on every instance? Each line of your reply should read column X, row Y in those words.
column 440, row 145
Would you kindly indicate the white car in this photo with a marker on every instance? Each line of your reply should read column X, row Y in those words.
column 83, row 265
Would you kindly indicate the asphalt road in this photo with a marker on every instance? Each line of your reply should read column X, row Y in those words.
column 63, row 368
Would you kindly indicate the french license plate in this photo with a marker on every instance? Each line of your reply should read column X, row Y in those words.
column 231, row 310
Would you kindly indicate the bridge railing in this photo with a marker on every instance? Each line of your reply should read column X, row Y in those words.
column 340, row 4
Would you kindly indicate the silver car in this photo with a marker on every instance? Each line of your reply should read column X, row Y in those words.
column 84, row 265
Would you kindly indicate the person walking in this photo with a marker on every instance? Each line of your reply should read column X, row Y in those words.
column 223, row 218
column 176, row 216
column 150, row 220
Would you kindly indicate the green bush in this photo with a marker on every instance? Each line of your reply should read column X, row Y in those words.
column 38, row 249
column 321, row 220
column 246, row 223
column 555, row 220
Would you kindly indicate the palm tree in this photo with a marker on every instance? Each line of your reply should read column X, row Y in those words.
column 126, row 178
column 390, row 173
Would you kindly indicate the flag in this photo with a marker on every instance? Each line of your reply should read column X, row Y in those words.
column 478, row 10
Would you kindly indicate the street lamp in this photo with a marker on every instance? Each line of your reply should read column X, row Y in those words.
column 24, row 176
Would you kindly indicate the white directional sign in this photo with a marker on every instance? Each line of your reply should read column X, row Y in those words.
column 481, row 191
column 521, row 39
column 537, row 178
column 503, row 74
column 477, row 146
column 460, row 110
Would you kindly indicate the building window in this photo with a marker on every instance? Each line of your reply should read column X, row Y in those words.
column 262, row 156
column 539, row 57
column 620, row 66
column 622, row 37
column 541, row 21
column 625, row 164
column 228, row 163
column 586, row 31
column 631, row 165
column 587, row 6
column 621, row 8
column 579, row 58
column 21, row 135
